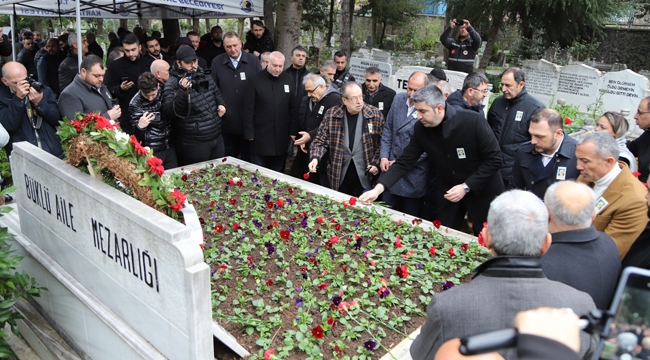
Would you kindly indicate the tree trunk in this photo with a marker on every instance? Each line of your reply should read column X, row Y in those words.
column 196, row 25
column 50, row 25
column 492, row 36
column 241, row 28
column 346, row 29
column 268, row 16
column 330, row 24
column 146, row 26
column 287, row 34
column 124, row 23
column 38, row 25
column 207, row 25
column 381, row 38
column 373, row 29
column 100, row 26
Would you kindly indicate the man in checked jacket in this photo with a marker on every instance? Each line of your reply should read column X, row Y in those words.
column 351, row 133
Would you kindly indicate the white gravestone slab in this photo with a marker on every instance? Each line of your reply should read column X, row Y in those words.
column 139, row 263
column 542, row 80
column 579, row 85
column 402, row 75
column 358, row 68
column 625, row 89
column 379, row 55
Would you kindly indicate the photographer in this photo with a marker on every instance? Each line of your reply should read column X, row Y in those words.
column 462, row 51
column 28, row 110
column 194, row 106
column 149, row 126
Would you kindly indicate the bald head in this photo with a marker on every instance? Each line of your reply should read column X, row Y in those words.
column 276, row 63
column 449, row 351
column 13, row 74
column 416, row 81
column 160, row 69
column 570, row 204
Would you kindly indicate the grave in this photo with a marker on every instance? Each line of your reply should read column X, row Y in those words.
column 358, row 68
column 624, row 90
column 380, row 55
column 578, row 85
column 542, row 79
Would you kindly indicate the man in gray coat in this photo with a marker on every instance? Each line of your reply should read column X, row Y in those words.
column 407, row 195
column 510, row 282
column 87, row 92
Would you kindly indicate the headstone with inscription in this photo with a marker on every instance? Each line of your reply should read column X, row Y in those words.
column 579, row 85
column 145, row 289
column 358, row 68
column 625, row 89
column 541, row 78
column 380, row 55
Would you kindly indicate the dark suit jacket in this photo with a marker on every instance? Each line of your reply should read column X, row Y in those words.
column 233, row 84
column 639, row 254
column 625, row 215
column 522, row 177
column 584, row 259
column 640, row 147
column 502, row 287
column 382, row 100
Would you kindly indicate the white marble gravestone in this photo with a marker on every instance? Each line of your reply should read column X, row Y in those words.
column 380, row 55
column 542, row 80
column 625, row 89
column 579, row 85
column 358, row 68
column 136, row 265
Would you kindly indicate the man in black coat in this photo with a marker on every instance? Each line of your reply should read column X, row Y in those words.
column 259, row 39
column 93, row 46
column 471, row 96
column 464, row 152
column 640, row 147
column 550, row 156
column 48, row 66
column 270, row 119
column 298, row 70
column 27, row 54
column 122, row 77
column 214, row 47
column 342, row 76
column 320, row 98
column 509, row 117
column 69, row 67
column 462, row 51
column 232, row 71
column 375, row 93
column 5, row 45
column 26, row 114
column 153, row 51
column 580, row 256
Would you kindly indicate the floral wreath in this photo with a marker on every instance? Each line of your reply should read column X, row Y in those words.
column 94, row 141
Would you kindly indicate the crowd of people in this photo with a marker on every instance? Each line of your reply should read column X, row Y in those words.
column 561, row 216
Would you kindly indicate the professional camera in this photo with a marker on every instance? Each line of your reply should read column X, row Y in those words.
column 35, row 84
column 460, row 22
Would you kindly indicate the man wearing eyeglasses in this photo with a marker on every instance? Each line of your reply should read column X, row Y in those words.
column 320, row 98
column 475, row 89
column 351, row 134
column 640, row 147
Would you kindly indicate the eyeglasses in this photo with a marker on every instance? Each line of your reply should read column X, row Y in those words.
column 355, row 98
column 483, row 91
column 642, row 112
column 312, row 90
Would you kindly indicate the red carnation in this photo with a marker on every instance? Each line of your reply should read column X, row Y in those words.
column 318, row 332
column 103, row 123
column 155, row 165
column 464, row 247
column 636, row 174
column 177, row 200
column 201, row 246
column 451, row 252
column 481, row 241
column 267, row 353
column 432, row 251
column 139, row 149
column 402, row 271
column 436, row 223
column 568, row 121
column 305, row 176
column 353, row 201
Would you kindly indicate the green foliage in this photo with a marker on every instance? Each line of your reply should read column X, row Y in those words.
column 573, row 119
column 531, row 48
column 5, row 168
column 495, row 80
column 315, row 16
column 390, row 12
column 13, row 284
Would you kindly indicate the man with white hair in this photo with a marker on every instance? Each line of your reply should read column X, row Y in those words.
column 510, row 282
column 580, row 256
column 620, row 205
column 69, row 67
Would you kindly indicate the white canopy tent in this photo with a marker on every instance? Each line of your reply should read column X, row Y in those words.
column 135, row 9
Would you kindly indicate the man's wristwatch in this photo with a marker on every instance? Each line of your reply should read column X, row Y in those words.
column 466, row 188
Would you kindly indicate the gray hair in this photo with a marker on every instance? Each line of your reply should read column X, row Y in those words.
column 373, row 71
column 344, row 88
column 72, row 39
column 474, row 80
column 276, row 55
column 266, row 54
column 573, row 206
column 316, row 79
column 518, row 223
column 430, row 95
column 606, row 145
column 329, row 64
column 445, row 87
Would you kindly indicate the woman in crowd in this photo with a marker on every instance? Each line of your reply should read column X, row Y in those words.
column 616, row 125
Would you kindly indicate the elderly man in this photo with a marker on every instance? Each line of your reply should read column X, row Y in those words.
column 375, row 93
column 474, row 91
column 407, row 195
column 580, row 256
column 26, row 113
column 87, row 93
column 464, row 152
column 264, row 59
column 640, row 147
column 620, row 206
column 269, row 119
column 549, row 157
column 231, row 71
column 351, row 133
column 511, row 281
column 320, row 98
column 93, row 46
column 160, row 69
column 509, row 117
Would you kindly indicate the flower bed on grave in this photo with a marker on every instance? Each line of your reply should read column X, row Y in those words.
column 297, row 275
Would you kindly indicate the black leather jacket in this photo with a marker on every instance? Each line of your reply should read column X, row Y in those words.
column 193, row 115
column 156, row 134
